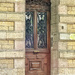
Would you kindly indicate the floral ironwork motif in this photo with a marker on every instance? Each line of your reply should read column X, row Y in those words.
column 42, row 2
column 29, row 42
column 38, row 5
column 42, row 29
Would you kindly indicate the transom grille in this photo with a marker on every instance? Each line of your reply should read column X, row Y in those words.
column 38, row 5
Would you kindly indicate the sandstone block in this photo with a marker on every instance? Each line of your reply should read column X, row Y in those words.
column 19, row 7
column 7, row 5
column 62, row 9
column 19, row 45
column 11, row 42
column 12, row 16
column 62, row 45
column 53, row 19
column 53, row 10
column 8, row 71
column 71, row 28
column 15, row 54
column 7, row 23
column 72, row 36
column 19, row 63
column 19, row 26
column 8, row 46
column 64, row 36
column 3, row 8
column 6, row 63
column 62, row 63
column 21, row 71
column 54, row 71
column 62, row 27
column 54, row 58
column 69, row 2
column 66, row 71
column 69, row 19
column 71, row 10
column 71, row 43
column 67, row 55
column 15, row 35
column 16, row 17
column 22, row 1
column 10, row 9
column 2, row 16
column 2, row 35
column 70, row 63
column 70, row 47
column 10, row 66
column 5, row 26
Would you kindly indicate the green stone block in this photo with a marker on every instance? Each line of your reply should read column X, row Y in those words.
column 72, row 36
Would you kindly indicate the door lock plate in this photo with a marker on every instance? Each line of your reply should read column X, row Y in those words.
column 35, row 52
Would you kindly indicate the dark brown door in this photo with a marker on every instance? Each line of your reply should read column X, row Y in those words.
column 37, row 43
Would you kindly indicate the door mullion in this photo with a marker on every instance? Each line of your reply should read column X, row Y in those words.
column 35, row 30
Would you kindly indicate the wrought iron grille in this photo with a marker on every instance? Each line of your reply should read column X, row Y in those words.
column 38, row 2
column 44, row 5
column 42, row 29
column 29, row 30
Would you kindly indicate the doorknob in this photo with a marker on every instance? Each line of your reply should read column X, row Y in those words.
column 35, row 52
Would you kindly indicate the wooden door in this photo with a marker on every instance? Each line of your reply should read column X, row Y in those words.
column 37, row 43
column 37, row 39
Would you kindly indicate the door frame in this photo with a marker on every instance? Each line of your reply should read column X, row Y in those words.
column 48, row 40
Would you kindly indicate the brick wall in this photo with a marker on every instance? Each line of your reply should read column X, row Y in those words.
column 64, row 26
column 12, row 37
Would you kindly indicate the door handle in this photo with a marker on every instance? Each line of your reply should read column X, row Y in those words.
column 35, row 52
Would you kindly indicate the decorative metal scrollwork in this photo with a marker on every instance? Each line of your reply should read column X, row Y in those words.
column 29, row 30
column 42, row 29
column 38, row 4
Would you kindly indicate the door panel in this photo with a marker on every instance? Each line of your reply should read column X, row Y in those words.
column 37, row 64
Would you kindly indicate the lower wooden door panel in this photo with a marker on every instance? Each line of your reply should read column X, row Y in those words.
column 37, row 64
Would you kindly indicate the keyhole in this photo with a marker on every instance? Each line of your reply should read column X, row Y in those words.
column 62, row 27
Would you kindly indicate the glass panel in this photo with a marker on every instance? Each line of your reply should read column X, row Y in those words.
column 42, row 29
column 29, row 43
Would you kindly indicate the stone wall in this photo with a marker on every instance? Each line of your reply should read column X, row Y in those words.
column 54, row 36
column 12, row 37
column 66, row 45
column 63, row 34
